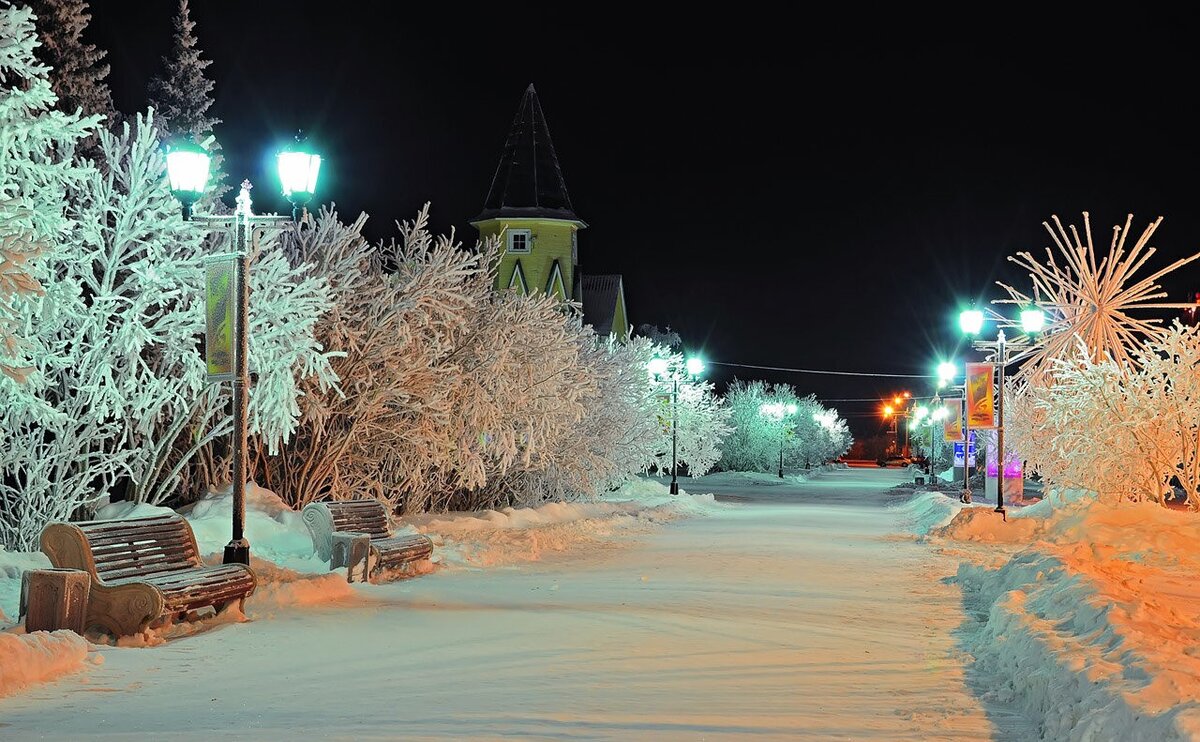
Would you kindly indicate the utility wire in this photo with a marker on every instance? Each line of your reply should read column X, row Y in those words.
column 825, row 372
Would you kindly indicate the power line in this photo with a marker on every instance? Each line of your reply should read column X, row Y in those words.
column 824, row 372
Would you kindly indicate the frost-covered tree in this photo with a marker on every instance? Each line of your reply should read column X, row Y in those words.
column 809, row 433
column 702, row 423
column 36, row 143
column 523, row 389
column 397, row 313
column 1123, row 432
column 114, row 340
column 77, row 69
column 667, row 338
column 619, row 434
column 1091, row 299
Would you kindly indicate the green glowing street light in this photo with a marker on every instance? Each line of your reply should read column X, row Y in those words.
column 1032, row 321
column 971, row 321
column 187, row 173
column 674, row 369
column 298, row 168
column 946, row 372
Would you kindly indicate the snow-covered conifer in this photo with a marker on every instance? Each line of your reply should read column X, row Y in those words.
column 181, row 96
column 77, row 69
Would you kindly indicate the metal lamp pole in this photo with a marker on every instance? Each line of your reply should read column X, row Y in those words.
column 242, row 221
column 782, row 428
column 674, row 429
column 1002, row 357
column 966, row 493
column 187, row 172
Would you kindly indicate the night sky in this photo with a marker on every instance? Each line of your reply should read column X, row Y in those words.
column 799, row 191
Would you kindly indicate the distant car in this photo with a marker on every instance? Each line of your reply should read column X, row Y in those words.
column 895, row 461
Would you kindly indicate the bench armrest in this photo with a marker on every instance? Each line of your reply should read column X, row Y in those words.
column 348, row 550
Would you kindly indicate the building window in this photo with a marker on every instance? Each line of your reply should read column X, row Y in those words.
column 519, row 240
column 574, row 247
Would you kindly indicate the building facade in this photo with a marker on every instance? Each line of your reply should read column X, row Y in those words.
column 529, row 210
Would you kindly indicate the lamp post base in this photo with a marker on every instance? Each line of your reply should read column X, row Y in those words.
column 237, row 552
column 965, row 497
column 674, row 487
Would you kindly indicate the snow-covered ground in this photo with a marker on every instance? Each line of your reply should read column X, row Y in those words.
column 1086, row 617
column 801, row 610
column 836, row 607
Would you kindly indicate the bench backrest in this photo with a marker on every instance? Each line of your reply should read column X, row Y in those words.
column 114, row 550
column 360, row 516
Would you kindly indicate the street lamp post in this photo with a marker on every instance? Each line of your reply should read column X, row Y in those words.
column 780, row 413
column 187, row 173
column 674, row 369
column 1032, row 322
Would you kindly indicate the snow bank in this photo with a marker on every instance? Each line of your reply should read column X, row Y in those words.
column 754, row 478
column 492, row 538
column 280, row 587
column 1093, row 628
column 927, row 511
column 275, row 531
column 26, row 659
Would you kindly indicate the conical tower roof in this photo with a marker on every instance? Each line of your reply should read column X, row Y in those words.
column 528, row 182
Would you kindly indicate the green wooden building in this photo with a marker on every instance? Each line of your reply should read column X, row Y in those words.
column 528, row 207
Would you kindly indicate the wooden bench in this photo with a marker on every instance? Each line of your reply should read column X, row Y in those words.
column 144, row 572
column 351, row 532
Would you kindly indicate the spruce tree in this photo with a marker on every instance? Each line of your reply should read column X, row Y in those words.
column 77, row 70
column 181, row 95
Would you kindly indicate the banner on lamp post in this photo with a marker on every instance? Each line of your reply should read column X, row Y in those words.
column 952, row 427
column 981, row 402
column 220, row 306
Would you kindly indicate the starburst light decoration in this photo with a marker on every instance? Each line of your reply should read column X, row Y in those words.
column 1090, row 301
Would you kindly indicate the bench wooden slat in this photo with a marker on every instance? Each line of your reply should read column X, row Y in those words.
column 130, row 524
column 137, row 525
column 184, row 553
column 103, row 543
column 141, row 572
column 181, row 541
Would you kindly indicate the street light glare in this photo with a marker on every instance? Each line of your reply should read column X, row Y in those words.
column 657, row 366
column 920, row 412
column 946, row 372
column 791, row 409
column 298, row 174
column 695, row 366
column 1032, row 320
column 971, row 321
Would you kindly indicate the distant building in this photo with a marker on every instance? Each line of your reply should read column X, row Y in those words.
column 529, row 208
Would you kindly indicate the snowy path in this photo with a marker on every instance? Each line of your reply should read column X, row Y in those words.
column 792, row 615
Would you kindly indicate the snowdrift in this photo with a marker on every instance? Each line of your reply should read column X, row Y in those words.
column 1092, row 626
column 28, row 659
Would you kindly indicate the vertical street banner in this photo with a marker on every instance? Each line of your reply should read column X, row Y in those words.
column 220, row 305
column 952, row 427
column 981, row 402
